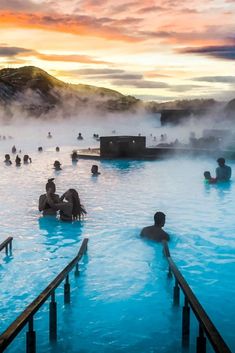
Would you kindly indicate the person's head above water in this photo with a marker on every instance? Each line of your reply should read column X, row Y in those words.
column 78, row 210
column 7, row 157
column 94, row 169
column 207, row 175
column 221, row 161
column 50, row 185
column 159, row 219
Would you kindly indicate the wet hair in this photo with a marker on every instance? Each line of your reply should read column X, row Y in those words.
column 207, row 174
column 159, row 219
column 51, row 185
column 78, row 210
column 221, row 160
column 18, row 159
column 7, row 156
column 57, row 149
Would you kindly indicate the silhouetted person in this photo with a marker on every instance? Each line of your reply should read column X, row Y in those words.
column 74, row 156
column 8, row 159
column 57, row 165
column 13, row 150
column 71, row 209
column 43, row 204
column 80, row 136
column 49, row 136
column 223, row 171
column 209, row 179
column 40, row 149
column 57, row 149
column 27, row 159
column 156, row 232
column 94, row 170
column 18, row 161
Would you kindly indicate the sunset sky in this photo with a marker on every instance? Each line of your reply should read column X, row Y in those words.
column 155, row 50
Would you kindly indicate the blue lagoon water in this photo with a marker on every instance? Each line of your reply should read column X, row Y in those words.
column 122, row 301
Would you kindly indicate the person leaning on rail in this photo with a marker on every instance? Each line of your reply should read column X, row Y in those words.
column 155, row 232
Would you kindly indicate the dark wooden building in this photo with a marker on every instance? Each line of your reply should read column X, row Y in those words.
column 122, row 146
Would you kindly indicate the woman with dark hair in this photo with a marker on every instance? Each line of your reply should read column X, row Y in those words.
column 70, row 209
column 44, row 205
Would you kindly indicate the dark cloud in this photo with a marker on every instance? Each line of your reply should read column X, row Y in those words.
column 221, row 52
column 13, row 51
column 18, row 5
column 97, row 71
column 220, row 79
column 140, row 83
column 183, row 88
column 149, row 9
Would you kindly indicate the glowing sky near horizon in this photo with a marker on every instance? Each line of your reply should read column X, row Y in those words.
column 154, row 50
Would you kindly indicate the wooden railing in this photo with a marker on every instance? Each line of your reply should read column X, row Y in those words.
column 27, row 315
column 206, row 327
column 7, row 244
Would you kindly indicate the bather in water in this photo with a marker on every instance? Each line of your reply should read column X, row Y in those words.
column 156, row 232
column 74, row 156
column 8, row 159
column 95, row 170
column 209, row 179
column 71, row 209
column 27, row 159
column 223, row 171
column 57, row 165
column 18, row 161
column 43, row 204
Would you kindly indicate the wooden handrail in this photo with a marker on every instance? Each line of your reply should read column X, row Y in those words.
column 11, row 332
column 211, row 332
column 5, row 244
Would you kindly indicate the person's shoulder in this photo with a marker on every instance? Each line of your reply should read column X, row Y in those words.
column 146, row 230
column 42, row 196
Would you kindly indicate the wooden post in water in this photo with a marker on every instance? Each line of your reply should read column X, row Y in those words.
column 185, row 323
column 67, row 291
column 31, row 338
column 53, row 318
column 201, row 341
column 176, row 299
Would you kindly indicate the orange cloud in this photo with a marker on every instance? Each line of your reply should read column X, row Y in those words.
column 74, row 24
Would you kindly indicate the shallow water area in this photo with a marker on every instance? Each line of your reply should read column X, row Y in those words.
column 122, row 301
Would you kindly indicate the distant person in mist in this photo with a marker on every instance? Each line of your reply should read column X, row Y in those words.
column 70, row 209
column 95, row 170
column 209, row 179
column 8, row 159
column 223, row 171
column 27, row 159
column 155, row 232
column 18, row 161
column 43, row 204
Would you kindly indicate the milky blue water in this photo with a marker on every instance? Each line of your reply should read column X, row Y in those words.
column 122, row 301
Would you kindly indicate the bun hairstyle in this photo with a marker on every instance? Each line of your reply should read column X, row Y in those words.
column 50, row 184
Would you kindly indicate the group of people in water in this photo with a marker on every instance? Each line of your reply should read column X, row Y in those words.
column 26, row 160
column 68, row 205
column 223, row 173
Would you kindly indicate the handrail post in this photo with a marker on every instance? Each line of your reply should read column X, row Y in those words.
column 31, row 338
column 185, row 323
column 53, row 318
column 176, row 298
column 201, row 341
column 67, row 291
column 76, row 272
column 10, row 247
column 6, row 249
